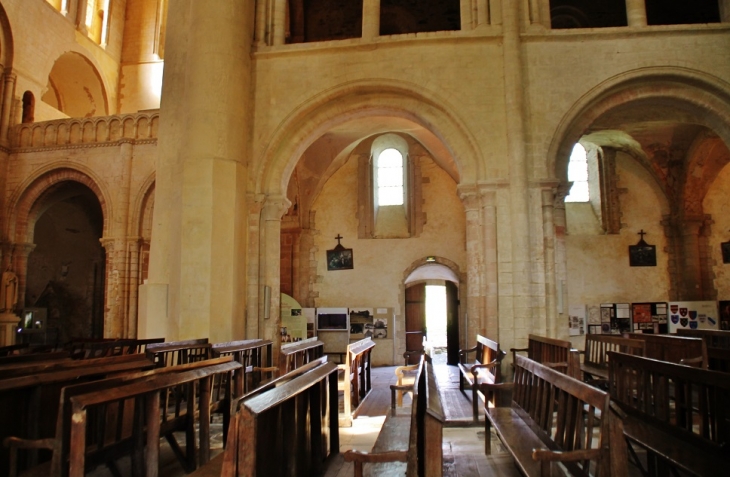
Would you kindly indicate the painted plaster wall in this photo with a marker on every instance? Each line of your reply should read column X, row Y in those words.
column 717, row 205
column 377, row 276
column 598, row 264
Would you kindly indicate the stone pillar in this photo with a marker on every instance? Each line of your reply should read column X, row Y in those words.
column 491, row 266
column 279, row 22
column 370, row 19
column 690, row 266
column 521, row 319
column 81, row 16
column 253, row 255
column 197, row 259
column 270, row 258
column 636, row 13
column 561, row 257
column 475, row 304
column 113, row 290
column 724, row 11
column 548, row 237
column 8, row 95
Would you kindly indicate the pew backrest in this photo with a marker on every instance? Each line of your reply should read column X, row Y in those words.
column 671, row 348
column 294, row 355
column 356, row 376
column 174, row 353
column 597, row 347
column 254, row 450
column 256, row 358
column 717, row 343
column 554, row 353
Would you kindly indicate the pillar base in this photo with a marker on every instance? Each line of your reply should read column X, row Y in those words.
column 8, row 328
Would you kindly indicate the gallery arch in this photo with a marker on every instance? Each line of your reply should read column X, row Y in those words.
column 660, row 150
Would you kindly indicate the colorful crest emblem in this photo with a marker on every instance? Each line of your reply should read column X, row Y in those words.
column 683, row 311
column 674, row 308
column 692, row 315
column 675, row 319
column 683, row 322
column 694, row 325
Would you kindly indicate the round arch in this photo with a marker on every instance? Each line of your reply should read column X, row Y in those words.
column 75, row 86
column 7, row 47
column 28, row 204
column 143, row 200
column 435, row 267
column 359, row 100
column 699, row 97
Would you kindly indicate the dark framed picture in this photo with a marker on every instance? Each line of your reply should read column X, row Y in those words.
column 339, row 259
column 725, row 247
column 643, row 255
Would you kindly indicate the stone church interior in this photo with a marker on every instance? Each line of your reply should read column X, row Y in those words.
column 417, row 174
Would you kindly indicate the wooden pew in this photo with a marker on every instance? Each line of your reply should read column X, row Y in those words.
column 119, row 347
column 16, row 360
column 15, row 349
column 116, row 420
column 174, row 353
column 294, row 355
column 553, row 419
column 484, row 368
column 285, row 427
column 410, row 441
column 680, row 415
column 554, row 353
column 671, row 348
column 595, row 358
column 61, row 361
column 717, row 343
column 356, row 377
column 256, row 357
column 34, row 397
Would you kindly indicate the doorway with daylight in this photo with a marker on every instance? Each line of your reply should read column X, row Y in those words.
column 432, row 314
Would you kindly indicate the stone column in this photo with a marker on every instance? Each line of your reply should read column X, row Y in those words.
column 270, row 258
column 197, row 258
column 8, row 94
column 548, row 236
column 475, row 303
column 81, row 16
column 691, row 269
column 636, row 13
column 113, row 290
column 279, row 22
column 491, row 266
column 521, row 319
column 21, row 252
column 253, row 255
column 370, row 19
column 724, row 11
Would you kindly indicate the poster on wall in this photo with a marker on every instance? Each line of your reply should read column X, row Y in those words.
column 649, row 317
column 576, row 320
column 594, row 320
column 615, row 318
column 361, row 323
column 693, row 315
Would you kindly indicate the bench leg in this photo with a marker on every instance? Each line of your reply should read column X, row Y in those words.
column 475, row 401
column 487, row 436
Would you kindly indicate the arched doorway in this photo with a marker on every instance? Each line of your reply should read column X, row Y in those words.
column 66, row 269
column 432, row 311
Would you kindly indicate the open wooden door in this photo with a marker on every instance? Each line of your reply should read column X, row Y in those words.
column 415, row 320
column 452, row 324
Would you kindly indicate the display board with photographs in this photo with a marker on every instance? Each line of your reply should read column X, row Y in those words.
column 649, row 317
column 615, row 318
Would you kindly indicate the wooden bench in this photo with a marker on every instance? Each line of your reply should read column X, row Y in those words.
column 671, row 348
column 595, row 358
column 554, row 353
column 356, row 382
column 15, row 349
column 285, row 427
column 484, row 368
column 13, row 361
column 295, row 355
column 118, row 347
column 556, row 419
column 179, row 352
column 680, row 415
column 717, row 343
column 411, row 439
column 33, row 397
column 256, row 357
column 116, row 417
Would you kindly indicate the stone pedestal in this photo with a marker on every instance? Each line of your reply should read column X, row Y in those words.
column 8, row 328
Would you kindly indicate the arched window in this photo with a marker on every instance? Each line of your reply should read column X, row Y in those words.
column 390, row 194
column 96, row 20
column 578, row 175
column 28, row 107
column 389, row 178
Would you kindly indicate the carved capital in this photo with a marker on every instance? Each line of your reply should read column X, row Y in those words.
column 274, row 207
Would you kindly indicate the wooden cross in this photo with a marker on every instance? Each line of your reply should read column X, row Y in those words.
column 642, row 233
column 339, row 237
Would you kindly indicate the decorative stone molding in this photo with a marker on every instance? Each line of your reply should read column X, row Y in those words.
column 141, row 128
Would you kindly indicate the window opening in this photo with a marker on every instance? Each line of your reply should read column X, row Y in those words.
column 390, row 177
column 682, row 12
column 28, row 107
column 578, row 175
